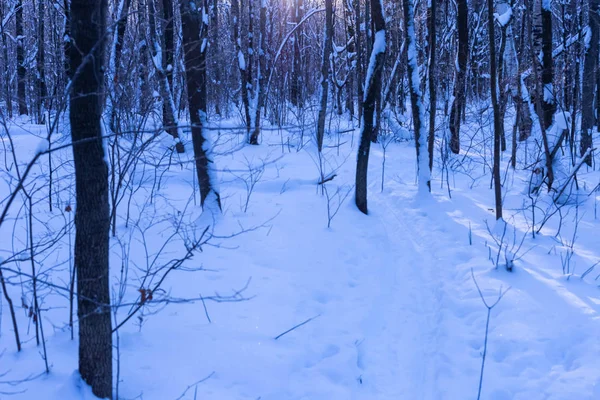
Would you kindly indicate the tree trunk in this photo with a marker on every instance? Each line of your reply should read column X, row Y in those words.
column 235, row 12
column 88, row 31
column 261, row 76
column 496, row 110
column 21, row 70
column 195, row 31
column 170, row 121
column 431, row 17
column 327, row 49
column 459, row 85
column 416, row 98
column 590, row 69
column 41, row 72
column 373, row 90
column 350, row 38
column 169, row 42
column 359, row 60
column 296, row 83
column 216, row 51
column 7, row 85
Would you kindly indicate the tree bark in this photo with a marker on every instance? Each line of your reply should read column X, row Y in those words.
column 40, row 61
column 359, row 60
column 431, row 18
column 496, row 110
column 261, row 75
column 241, row 61
column 21, row 69
column 195, row 31
column 590, row 74
column 327, row 49
column 296, row 83
column 88, row 30
column 416, row 98
column 459, row 85
column 372, row 90
column 7, row 85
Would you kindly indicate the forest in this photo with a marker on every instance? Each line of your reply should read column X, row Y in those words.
column 299, row 199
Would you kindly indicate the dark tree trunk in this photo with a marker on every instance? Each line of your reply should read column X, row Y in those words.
column 242, row 65
column 7, row 85
column 502, row 79
column 548, row 106
column 216, row 51
column 170, row 122
column 350, row 38
column 359, row 60
column 88, row 31
column 167, row 53
column 416, row 98
column 21, row 70
column 261, row 76
column 459, row 85
column 373, row 90
column 590, row 74
column 296, row 83
column 327, row 48
column 40, row 60
column 67, row 39
column 496, row 110
column 195, row 32
column 431, row 17
column 121, row 26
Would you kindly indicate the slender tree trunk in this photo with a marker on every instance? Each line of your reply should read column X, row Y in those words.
column 416, row 98
column 21, row 70
column 216, row 51
column 548, row 106
column 359, row 60
column 431, row 17
column 241, row 61
column 459, row 83
column 351, row 40
column 372, row 90
column 296, row 78
column 169, row 43
column 7, row 85
column 496, row 110
column 261, row 75
column 195, row 31
column 41, row 71
column 67, row 40
column 590, row 75
column 92, row 212
column 327, row 48
column 170, row 122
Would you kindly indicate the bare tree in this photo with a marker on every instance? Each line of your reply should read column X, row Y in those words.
column 372, row 91
column 21, row 69
column 88, row 32
column 416, row 98
column 195, row 31
column 590, row 74
column 327, row 48
column 496, row 110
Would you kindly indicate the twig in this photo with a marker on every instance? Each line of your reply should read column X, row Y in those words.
column 297, row 326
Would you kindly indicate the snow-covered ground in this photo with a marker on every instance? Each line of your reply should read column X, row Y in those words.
column 392, row 308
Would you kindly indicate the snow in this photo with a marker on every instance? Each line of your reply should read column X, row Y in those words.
column 241, row 61
column 378, row 48
column 398, row 315
column 504, row 19
column 42, row 146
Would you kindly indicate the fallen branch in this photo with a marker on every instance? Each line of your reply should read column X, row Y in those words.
column 297, row 326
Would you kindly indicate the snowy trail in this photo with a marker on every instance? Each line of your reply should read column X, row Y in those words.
column 401, row 329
